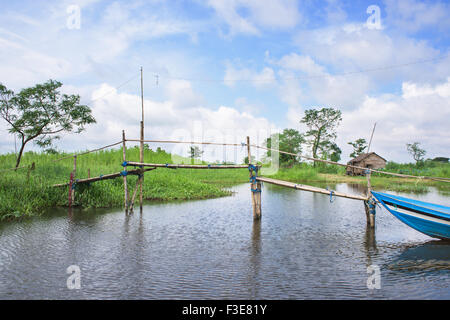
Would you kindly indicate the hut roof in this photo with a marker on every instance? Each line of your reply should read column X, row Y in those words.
column 362, row 156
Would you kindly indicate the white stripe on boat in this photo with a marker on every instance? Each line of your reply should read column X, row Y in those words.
column 418, row 215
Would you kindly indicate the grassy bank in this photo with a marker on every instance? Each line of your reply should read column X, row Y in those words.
column 26, row 194
column 332, row 174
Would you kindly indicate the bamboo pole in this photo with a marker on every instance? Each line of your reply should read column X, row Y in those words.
column 189, row 142
column 104, row 177
column 310, row 188
column 355, row 167
column 70, row 189
column 141, row 159
column 141, row 153
column 133, row 197
column 255, row 187
column 125, row 187
column 370, row 208
column 187, row 166
column 74, row 175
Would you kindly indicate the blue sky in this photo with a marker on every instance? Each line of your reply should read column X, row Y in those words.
column 232, row 68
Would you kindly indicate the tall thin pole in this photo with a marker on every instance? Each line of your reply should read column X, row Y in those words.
column 255, row 186
column 141, row 153
column 125, row 186
column 371, row 136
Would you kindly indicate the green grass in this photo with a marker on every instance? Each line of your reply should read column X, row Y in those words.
column 25, row 194
column 322, row 174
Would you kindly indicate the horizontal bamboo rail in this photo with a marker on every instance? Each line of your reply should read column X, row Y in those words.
column 104, row 177
column 189, row 166
column 191, row 142
column 310, row 188
column 356, row 167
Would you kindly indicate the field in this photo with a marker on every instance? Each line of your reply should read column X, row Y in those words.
column 28, row 192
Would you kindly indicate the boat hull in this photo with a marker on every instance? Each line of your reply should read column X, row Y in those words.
column 430, row 219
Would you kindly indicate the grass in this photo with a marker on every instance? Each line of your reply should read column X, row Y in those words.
column 333, row 174
column 26, row 193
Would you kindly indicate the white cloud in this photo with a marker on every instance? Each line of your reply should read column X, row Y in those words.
column 264, row 78
column 421, row 113
column 249, row 17
column 169, row 120
column 353, row 47
column 413, row 16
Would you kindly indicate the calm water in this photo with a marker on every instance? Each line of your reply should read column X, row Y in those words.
column 304, row 248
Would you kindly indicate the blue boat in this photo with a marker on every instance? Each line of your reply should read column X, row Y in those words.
column 428, row 218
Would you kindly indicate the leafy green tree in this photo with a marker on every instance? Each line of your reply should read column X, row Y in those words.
column 41, row 112
column 290, row 140
column 417, row 152
column 359, row 146
column 322, row 125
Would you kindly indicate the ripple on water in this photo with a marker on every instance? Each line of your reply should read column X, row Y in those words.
column 304, row 248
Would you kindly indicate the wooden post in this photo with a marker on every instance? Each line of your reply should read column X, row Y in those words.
column 73, row 177
column 255, row 187
column 141, row 154
column 125, row 187
column 369, row 204
column 89, row 173
column 141, row 158
column 70, row 189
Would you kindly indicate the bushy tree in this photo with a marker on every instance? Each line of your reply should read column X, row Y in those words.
column 41, row 112
column 417, row 152
column 290, row 140
column 322, row 125
column 359, row 145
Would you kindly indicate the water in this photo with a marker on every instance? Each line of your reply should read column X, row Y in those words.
column 304, row 248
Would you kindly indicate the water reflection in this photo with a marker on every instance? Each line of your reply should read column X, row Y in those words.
column 254, row 260
column 432, row 255
column 303, row 248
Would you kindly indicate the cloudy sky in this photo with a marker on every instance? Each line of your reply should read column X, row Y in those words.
column 219, row 70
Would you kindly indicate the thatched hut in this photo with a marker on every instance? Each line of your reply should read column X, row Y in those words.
column 366, row 160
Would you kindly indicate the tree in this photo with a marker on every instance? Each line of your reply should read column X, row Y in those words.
column 331, row 151
column 322, row 125
column 40, row 113
column 290, row 140
column 194, row 153
column 359, row 146
column 417, row 153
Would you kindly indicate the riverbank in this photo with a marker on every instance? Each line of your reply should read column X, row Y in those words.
column 28, row 192
column 332, row 175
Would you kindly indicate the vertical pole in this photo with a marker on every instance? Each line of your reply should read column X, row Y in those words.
column 370, row 206
column 70, row 189
column 255, row 187
column 74, row 175
column 371, row 136
column 141, row 153
column 125, row 187
column 89, row 173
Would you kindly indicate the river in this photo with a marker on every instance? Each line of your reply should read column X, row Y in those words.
column 305, row 247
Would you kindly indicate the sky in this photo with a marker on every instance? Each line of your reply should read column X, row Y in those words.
column 220, row 70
